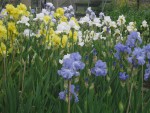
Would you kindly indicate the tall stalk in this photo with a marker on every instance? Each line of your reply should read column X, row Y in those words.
column 69, row 95
column 131, row 89
column 104, row 3
column 130, row 98
column 142, row 89
column 24, row 71
column 5, row 68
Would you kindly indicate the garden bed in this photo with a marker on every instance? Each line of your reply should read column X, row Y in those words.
column 52, row 62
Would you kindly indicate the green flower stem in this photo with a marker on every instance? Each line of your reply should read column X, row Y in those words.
column 24, row 71
column 130, row 98
column 69, row 95
column 131, row 89
column 142, row 89
column 5, row 68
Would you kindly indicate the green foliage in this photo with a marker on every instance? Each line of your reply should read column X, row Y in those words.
column 32, row 84
column 130, row 12
column 29, row 82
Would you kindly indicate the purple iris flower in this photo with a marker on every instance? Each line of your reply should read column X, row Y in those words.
column 101, row 15
column 71, row 66
column 120, row 48
column 67, row 73
column 147, row 73
column 139, row 55
column 73, row 91
column 78, row 65
column 123, row 76
column 62, row 95
column 92, row 16
column 94, row 51
column 33, row 11
column 133, row 40
column 100, row 69
column 75, row 56
column 147, row 51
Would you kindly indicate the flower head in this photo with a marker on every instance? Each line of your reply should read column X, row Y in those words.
column 132, row 27
column 50, row 6
column 71, row 65
column 67, row 73
column 121, row 20
column 101, row 15
column 63, row 94
column 9, row 8
column 39, row 16
column 12, row 28
column 46, row 19
column 147, row 51
column 24, row 20
column 120, row 48
column 144, row 24
column 85, row 19
column 123, row 76
column 69, row 11
column 59, row 12
column 63, row 28
column 100, row 69
column 133, row 39
column 75, row 56
column 28, row 33
column 22, row 7
column 3, row 32
column 139, row 55
column 147, row 73
column 2, row 49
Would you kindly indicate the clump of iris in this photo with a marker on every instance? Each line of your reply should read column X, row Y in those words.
column 137, row 57
column 133, row 40
column 100, row 68
column 49, row 7
column 90, row 13
column 132, row 52
column 69, row 11
column 120, row 48
column 71, row 66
